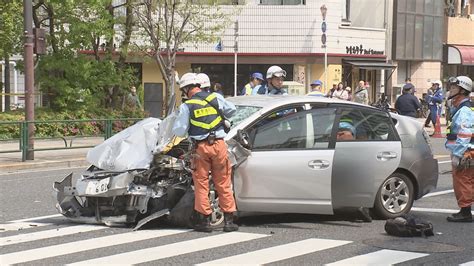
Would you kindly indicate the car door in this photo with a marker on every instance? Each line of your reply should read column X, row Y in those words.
column 290, row 166
column 362, row 164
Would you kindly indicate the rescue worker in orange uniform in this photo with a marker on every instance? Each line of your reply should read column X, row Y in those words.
column 202, row 118
column 460, row 142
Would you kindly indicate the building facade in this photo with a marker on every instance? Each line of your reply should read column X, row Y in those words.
column 289, row 34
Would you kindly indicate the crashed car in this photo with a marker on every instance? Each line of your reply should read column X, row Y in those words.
column 286, row 157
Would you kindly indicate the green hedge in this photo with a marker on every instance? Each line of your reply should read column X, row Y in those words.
column 12, row 131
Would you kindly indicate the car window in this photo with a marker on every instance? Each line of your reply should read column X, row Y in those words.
column 242, row 113
column 365, row 125
column 293, row 128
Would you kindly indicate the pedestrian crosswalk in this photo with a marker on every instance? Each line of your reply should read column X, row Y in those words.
column 71, row 243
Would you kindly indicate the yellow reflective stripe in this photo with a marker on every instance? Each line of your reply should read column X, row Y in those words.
column 205, row 112
column 211, row 97
column 195, row 101
column 205, row 125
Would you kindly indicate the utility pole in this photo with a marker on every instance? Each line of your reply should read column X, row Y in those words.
column 323, row 41
column 236, row 49
column 29, row 75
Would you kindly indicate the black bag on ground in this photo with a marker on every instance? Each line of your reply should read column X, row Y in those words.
column 408, row 226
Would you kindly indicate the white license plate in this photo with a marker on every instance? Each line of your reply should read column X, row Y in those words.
column 97, row 186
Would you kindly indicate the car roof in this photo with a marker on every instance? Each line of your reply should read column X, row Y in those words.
column 265, row 101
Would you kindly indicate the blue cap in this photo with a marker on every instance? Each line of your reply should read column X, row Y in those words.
column 317, row 83
column 348, row 126
column 257, row 75
column 408, row 86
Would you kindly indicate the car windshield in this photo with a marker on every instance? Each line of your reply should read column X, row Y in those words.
column 243, row 112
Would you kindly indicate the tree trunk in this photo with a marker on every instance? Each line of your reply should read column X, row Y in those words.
column 7, row 83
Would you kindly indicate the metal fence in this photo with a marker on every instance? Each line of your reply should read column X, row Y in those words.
column 106, row 126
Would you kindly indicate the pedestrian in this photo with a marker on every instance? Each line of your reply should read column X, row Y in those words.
column 429, row 94
column 275, row 77
column 460, row 142
column 349, row 93
column 332, row 90
column 256, row 80
column 218, row 88
column 316, row 89
column 435, row 100
column 132, row 99
column 340, row 92
column 361, row 95
column 407, row 104
column 204, row 81
column 203, row 119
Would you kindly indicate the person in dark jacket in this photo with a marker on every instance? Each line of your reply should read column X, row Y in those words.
column 407, row 104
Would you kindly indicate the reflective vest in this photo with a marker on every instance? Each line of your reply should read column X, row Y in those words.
column 203, row 117
column 316, row 93
column 247, row 89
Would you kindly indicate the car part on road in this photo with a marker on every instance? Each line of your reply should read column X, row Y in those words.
column 395, row 197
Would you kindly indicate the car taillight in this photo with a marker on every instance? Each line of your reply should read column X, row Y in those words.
column 427, row 138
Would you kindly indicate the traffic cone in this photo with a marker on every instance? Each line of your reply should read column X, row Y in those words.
column 437, row 132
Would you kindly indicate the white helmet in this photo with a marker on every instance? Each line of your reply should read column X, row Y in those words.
column 465, row 83
column 188, row 79
column 437, row 81
column 275, row 71
column 204, row 80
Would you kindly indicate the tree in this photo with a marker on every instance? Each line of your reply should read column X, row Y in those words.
column 11, row 28
column 169, row 24
column 71, row 79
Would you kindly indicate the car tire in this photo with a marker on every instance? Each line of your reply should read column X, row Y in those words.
column 394, row 197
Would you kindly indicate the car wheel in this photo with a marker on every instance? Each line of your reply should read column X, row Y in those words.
column 395, row 197
column 217, row 216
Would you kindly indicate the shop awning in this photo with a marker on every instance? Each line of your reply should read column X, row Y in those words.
column 370, row 65
column 461, row 55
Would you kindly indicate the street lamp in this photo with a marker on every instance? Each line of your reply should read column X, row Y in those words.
column 324, row 11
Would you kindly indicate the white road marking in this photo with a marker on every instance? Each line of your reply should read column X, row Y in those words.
column 444, row 162
column 418, row 209
column 58, row 232
column 13, row 172
column 84, row 245
column 281, row 252
column 175, row 249
column 381, row 257
column 27, row 223
column 469, row 263
column 438, row 193
column 36, row 218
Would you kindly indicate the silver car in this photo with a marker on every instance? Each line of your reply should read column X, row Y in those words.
column 298, row 164
column 290, row 154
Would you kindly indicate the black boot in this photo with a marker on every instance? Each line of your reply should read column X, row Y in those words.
column 229, row 225
column 202, row 223
column 464, row 215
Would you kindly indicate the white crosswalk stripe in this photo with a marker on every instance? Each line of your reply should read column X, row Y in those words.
column 381, row 257
column 58, row 232
column 28, row 223
column 469, row 263
column 175, row 249
column 84, row 245
column 278, row 253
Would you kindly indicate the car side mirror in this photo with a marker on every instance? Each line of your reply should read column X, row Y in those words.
column 243, row 138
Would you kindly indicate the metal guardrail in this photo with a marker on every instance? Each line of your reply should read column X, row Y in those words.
column 24, row 142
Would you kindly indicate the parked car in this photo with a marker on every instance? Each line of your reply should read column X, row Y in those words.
column 287, row 158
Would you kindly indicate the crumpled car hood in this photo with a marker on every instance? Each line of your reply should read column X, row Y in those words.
column 133, row 148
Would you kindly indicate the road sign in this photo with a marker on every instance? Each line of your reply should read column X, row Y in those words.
column 323, row 38
column 323, row 26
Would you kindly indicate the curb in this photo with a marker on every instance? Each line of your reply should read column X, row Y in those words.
column 79, row 162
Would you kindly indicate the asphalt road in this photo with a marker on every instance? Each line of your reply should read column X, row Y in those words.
column 276, row 239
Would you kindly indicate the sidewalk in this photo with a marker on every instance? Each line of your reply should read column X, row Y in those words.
column 52, row 158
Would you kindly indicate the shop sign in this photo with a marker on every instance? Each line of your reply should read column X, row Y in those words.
column 361, row 50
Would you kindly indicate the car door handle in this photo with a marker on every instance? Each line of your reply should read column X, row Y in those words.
column 386, row 155
column 318, row 164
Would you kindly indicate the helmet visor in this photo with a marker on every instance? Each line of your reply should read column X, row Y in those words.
column 280, row 73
